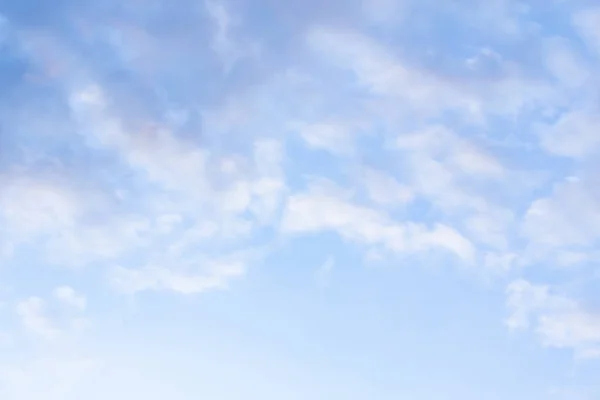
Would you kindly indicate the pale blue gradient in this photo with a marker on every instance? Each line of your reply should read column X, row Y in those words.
column 233, row 199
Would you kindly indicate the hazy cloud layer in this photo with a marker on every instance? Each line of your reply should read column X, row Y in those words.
column 169, row 167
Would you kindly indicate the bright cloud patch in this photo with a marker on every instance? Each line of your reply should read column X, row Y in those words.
column 558, row 320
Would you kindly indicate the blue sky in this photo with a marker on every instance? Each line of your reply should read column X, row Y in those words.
column 233, row 199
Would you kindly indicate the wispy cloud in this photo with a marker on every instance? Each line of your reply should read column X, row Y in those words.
column 31, row 312
column 325, row 270
column 220, row 146
column 68, row 295
column 558, row 320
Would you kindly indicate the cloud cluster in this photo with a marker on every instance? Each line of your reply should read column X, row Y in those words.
column 558, row 320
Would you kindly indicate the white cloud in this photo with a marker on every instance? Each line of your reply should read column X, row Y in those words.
column 89, row 243
column 575, row 134
column 438, row 182
column 499, row 263
column 33, row 206
column 587, row 22
column 556, row 319
column 52, row 215
column 165, row 160
column 570, row 216
column 333, row 137
column 484, row 57
column 166, row 223
column 194, row 200
column 269, row 187
column 562, row 228
column 412, row 92
column 314, row 212
column 383, row 189
column 51, row 325
column 224, row 41
column 317, row 210
column 183, row 167
column 379, row 71
column 69, row 296
column 32, row 314
column 450, row 172
column 443, row 236
column 491, row 226
column 564, row 63
column 215, row 276
column 441, row 143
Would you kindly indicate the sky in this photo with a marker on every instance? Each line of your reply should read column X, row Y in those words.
column 302, row 199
